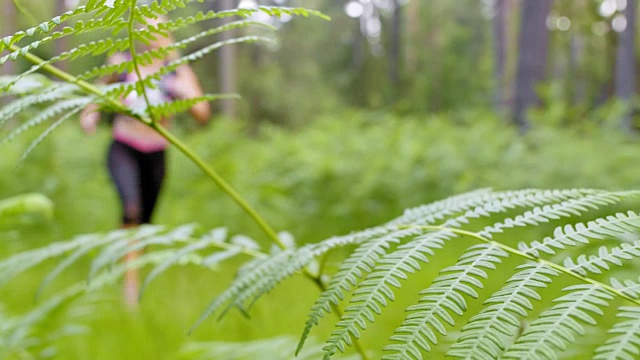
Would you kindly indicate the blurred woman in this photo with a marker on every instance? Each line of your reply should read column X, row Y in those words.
column 136, row 156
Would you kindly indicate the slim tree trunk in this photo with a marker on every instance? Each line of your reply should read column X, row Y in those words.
column 500, row 50
column 227, row 67
column 8, row 27
column 396, row 45
column 357, row 47
column 533, row 42
column 625, row 72
column 413, row 29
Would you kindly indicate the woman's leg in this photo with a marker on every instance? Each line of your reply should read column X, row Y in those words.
column 152, row 172
column 125, row 173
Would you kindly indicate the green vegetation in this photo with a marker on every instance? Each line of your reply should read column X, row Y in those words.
column 479, row 275
column 317, row 179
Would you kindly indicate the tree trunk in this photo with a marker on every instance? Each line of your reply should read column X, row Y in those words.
column 413, row 29
column 396, row 45
column 533, row 42
column 227, row 67
column 8, row 27
column 500, row 49
column 625, row 72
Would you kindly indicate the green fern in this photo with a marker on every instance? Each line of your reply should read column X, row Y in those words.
column 26, row 204
column 392, row 252
column 385, row 256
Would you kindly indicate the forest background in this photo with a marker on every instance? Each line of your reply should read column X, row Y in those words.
column 342, row 125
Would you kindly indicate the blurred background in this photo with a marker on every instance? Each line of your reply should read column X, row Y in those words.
column 343, row 124
column 391, row 104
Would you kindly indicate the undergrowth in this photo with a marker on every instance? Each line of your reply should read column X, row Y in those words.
column 580, row 244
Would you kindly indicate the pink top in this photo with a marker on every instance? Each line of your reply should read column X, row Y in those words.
column 131, row 131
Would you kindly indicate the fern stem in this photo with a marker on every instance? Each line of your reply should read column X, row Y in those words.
column 218, row 180
column 136, row 66
column 519, row 253
column 63, row 75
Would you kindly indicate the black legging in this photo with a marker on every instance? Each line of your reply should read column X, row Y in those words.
column 138, row 177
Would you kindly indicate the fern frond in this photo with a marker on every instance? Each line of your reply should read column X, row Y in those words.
column 465, row 201
column 558, row 326
column 42, row 28
column 365, row 257
column 52, row 111
column 29, row 321
column 493, row 202
column 75, row 256
column 547, row 213
column 92, row 48
column 16, row 264
column 444, row 295
column 374, row 289
column 278, row 11
column 145, row 236
column 488, row 333
column 147, row 82
column 43, row 135
column 109, row 45
column 52, row 93
column 238, row 245
column 182, row 105
column 277, row 271
column 423, row 246
column 259, row 270
column 79, row 28
column 158, row 7
column 25, row 204
column 214, row 237
column 351, row 270
column 480, row 201
column 625, row 344
column 569, row 235
column 599, row 263
column 418, row 335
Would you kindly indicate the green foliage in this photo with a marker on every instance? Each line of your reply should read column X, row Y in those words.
column 277, row 348
column 25, row 205
column 487, row 230
column 591, row 263
column 26, row 334
column 388, row 255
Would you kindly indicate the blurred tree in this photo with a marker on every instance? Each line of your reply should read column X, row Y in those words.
column 395, row 49
column 8, row 26
column 413, row 29
column 227, row 65
column 533, row 43
column 625, row 72
column 500, row 17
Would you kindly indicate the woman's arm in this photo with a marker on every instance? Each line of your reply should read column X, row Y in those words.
column 187, row 86
column 90, row 116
